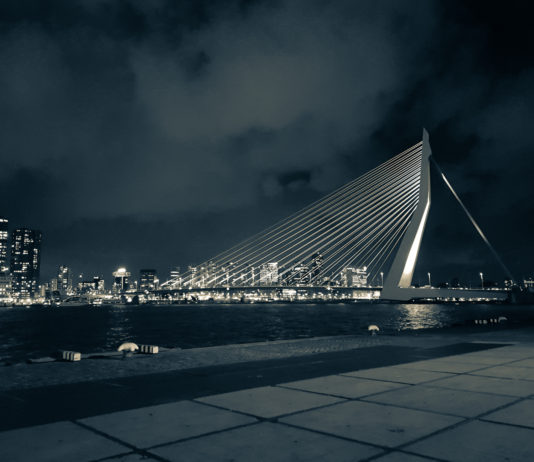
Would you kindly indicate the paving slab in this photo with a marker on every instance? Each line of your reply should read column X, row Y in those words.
column 444, row 365
column 521, row 413
column 479, row 441
column 269, row 402
column 372, row 423
column 398, row 374
column 346, row 387
column 496, row 385
column 508, row 371
column 60, row 441
column 165, row 423
column 447, row 401
column 267, row 442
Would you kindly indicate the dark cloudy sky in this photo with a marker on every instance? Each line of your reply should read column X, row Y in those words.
column 157, row 133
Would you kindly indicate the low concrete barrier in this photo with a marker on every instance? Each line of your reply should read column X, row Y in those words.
column 149, row 349
column 71, row 356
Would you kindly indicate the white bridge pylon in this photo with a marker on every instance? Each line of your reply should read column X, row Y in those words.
column 374, row 222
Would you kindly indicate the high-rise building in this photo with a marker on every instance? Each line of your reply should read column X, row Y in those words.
column 5, row 285
column 91, row 286
column 4, row 267
column 25, row 261
column 64, row 280
column 175, row 277
column 354, row 277
column 316, row 263
column 120, row 281
column 269, row 274
column 299, row 275
column 148, row 279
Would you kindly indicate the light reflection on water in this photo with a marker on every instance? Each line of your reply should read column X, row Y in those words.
column 421, row 316
column 39, row 332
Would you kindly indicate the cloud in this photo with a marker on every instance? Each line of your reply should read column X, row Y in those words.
column 123, row 112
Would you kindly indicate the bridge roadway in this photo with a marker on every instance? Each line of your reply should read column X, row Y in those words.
column 335, row 293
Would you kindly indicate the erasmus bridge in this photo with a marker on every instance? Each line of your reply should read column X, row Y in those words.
column 370, row 228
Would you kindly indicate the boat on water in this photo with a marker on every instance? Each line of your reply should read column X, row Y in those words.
column 74, row 301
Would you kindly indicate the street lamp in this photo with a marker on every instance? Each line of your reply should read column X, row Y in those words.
column 482, row 279
column 429, row 281
column 382, row 278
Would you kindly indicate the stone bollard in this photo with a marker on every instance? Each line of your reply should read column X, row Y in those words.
column 149, row 349
column 71, row 356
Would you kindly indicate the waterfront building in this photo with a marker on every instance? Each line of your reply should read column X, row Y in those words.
column 175, row 276
column 5, row 277
column 316, row 263
column 148, row 279
column 91, row 286
column 121, row 280
column 251, row 277
column 299, row 275
column 194, row 280
column 4, row 267
column 354, row 277
column 269, row 274
column 64, row 280
column 25, row 261
column 5, row 285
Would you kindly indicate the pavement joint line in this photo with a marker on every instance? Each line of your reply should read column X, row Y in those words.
column 222, row 408
column 280, row 416
column 341, row 396
column 197, row 437
column 130, row 446
column 409, row 453
column 453, row 426
column 408, row 408
column 478, row 391
column 500, row 377
column 129, row 453
column 404, row 383
column 333, row 435
column 511, row 379
column 507, row 424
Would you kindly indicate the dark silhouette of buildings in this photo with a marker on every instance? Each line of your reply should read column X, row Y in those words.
column 25, row 261
column 4, row 268
column 148, row 279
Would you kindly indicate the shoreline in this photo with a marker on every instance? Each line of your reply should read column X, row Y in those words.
column 99, row 367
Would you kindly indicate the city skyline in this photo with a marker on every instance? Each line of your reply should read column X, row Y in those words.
column 152, row 136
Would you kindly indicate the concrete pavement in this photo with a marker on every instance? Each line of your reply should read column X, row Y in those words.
column 475, row 406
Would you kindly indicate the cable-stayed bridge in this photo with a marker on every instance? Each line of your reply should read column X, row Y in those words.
column 367, row 230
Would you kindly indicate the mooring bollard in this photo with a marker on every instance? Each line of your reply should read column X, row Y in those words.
column 71, row 356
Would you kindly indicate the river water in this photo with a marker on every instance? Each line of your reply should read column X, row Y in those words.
column 36, row 332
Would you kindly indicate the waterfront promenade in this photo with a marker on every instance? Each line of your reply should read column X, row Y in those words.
column 457, row 394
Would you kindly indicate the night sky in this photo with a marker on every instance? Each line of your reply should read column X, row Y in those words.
column 158, row 133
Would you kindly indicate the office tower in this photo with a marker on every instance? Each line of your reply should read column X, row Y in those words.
column 354, row 277
column 269, row 274
column 91, row 286
column 64, row 280
column 148, row 279
column 4, row 268
column 25, row 261
column 120, row 281
column 316, row 263
column 299, row 275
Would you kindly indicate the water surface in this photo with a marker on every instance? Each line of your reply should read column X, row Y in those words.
column 37, row 332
